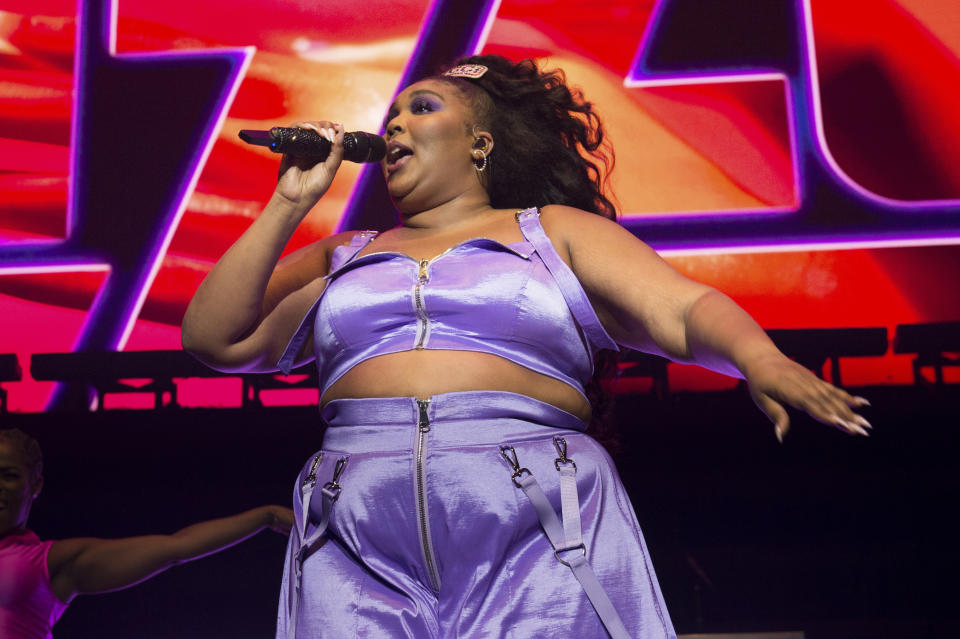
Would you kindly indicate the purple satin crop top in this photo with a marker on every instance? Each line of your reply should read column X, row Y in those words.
column 518, row 301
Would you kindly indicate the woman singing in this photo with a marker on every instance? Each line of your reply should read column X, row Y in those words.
column 457, row 494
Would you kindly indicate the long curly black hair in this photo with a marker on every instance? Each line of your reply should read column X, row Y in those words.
column 550, row 143
column 550, row 148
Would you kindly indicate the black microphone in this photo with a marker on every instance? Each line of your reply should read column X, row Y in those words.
column 358, row 146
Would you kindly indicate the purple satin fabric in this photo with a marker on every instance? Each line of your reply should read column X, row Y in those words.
column 498, row 576
column 518, row 301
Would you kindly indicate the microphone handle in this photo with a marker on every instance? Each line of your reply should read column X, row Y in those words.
column 304, row 142
column 357, row 146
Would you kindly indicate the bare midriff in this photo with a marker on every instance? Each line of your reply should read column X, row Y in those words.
column 423, row 373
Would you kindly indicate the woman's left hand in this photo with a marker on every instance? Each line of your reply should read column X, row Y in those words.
column 777, row 381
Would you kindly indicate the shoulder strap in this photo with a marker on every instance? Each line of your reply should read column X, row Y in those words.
column 357, row 243
column 573, row 293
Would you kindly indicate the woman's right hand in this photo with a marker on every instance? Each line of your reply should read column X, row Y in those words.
column 247, row 307
column 303, row 180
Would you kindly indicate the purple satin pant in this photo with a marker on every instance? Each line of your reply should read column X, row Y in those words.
column 426, row 534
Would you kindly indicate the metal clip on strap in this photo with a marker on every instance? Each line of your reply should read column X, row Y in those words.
column 561, row 544
column 511, row 456
column 329, row 492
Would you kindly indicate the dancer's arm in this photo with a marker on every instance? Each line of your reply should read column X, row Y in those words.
column 88, row 565
column 647, row 305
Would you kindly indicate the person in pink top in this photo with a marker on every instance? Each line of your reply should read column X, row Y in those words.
column 39, row 579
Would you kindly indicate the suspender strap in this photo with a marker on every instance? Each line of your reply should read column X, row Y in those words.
column 570, row 507
column 357, row 243
column 577, row 561
column 566, row 538
column 569, row 499
column 573, row 293
column 329, row 494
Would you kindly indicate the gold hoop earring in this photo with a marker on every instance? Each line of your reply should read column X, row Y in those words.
column 481, row 164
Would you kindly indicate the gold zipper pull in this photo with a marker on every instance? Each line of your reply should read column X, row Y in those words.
column 422, row 276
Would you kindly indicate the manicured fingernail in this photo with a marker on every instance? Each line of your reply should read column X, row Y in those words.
column 779, row 433
column 863, row 401
column 328, row 133
column 863, row 422
column 854, row 427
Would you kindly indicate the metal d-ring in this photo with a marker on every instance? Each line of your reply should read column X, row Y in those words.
column 581, row 546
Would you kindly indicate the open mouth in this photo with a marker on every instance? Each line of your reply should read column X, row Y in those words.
column 397, row 155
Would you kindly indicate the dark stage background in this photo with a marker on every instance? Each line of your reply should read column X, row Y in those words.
column 839, row 537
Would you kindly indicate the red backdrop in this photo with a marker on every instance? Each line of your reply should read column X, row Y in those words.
column 889, row 72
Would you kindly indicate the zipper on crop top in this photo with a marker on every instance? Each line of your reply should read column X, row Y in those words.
column 426, row 543
column 423, row 320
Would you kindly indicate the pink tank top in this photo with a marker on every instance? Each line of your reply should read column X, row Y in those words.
column 28, row 607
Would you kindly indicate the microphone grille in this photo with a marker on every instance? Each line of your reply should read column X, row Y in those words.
column 360, row 146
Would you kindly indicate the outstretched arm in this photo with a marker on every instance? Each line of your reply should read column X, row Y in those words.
column 86, row 565
column 722, row 336
column 647, row 305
